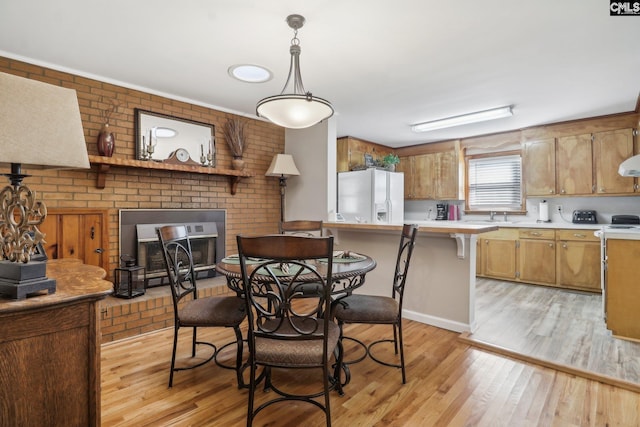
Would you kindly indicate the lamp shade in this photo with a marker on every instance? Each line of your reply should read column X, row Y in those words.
column 294, row 111
column 282, row 165
column 40, row 125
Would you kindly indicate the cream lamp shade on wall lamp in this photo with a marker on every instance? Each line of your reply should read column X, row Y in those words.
column 282, row 166
column 464, row 119
column 40, row 127
column 296, row 109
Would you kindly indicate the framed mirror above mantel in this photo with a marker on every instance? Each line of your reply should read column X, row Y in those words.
column 168, row 139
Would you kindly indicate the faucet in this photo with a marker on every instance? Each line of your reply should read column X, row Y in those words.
column 491, row 215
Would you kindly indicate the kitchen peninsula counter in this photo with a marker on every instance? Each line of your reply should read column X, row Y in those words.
column 441, row 281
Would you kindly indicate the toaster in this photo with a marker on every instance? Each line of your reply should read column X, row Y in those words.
column 584, row 217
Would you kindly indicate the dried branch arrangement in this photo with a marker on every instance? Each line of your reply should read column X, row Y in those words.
column 234, row 134
column 106, row 113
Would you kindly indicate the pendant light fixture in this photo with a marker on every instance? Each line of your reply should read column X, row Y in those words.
column 296, row 109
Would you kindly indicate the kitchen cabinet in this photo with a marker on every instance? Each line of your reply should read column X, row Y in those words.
column 498, row 253
column 580, row 164
column 539, row 167
column 578, row 260
column 350, row 153
column 432, row 176
column 609, row 150
column 622, row 293
column 416, row 170
column 565, row 258
column 536, row 256
column 575, row 165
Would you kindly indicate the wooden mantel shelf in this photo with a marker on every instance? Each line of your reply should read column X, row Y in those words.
column 105, row 163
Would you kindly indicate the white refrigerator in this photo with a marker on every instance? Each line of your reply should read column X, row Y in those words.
column 372, row 196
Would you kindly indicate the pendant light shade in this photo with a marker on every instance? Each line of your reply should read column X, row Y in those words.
column 296, row 109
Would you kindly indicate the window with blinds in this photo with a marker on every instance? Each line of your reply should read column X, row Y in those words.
column 494, row 183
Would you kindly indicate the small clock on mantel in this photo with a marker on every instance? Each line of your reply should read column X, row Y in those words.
column 180, row 157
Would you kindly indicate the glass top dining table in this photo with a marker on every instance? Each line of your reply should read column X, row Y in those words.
column 348, row 272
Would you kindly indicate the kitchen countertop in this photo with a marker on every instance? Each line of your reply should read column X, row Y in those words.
column 444, row 227
column 514, row 224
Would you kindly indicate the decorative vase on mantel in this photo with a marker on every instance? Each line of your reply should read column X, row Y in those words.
column 237, row 163
column 106, row 141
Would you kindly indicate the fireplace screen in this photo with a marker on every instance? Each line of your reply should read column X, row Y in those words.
column 203, row 249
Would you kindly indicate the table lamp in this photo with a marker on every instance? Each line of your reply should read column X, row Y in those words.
column 282, row 166
column 40, row 127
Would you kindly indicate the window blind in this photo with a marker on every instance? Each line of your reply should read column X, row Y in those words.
column 495, row 183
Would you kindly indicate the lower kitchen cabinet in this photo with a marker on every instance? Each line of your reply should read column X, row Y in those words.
column 537, row 256
column 578, row 255
column 561, row 258
column 498, row 254
column 622, row 293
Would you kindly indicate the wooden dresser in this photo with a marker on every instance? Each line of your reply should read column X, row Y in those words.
column 50, row 350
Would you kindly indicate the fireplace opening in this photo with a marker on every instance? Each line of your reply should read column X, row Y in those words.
column 202, row 237
column 138, row 236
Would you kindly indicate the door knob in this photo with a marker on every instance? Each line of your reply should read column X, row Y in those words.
column 99, row 251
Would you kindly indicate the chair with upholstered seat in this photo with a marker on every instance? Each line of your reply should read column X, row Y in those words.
column 194, row 312
column 374, row 309
column 287, row 328
column 301, row 228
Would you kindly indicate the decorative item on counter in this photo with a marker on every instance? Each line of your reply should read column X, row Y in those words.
column 106, row 138
column 543, row 212
column 454, row 213
column 208, row 158
column 234, row 134
column 390, row 161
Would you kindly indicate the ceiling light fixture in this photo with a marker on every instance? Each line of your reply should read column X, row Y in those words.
column 297, row 109
column 465, row 119
column 250, row 73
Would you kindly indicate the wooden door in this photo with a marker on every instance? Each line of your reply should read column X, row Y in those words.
column 499, row 258
column 575, row 165
column 610, row 149
column 539, row 167
column 537, row 261
column 80, row 233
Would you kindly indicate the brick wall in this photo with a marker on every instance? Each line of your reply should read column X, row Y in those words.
column 253, row 209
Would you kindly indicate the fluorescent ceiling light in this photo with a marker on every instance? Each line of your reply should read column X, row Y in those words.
column 465, row 119
column 250, row 73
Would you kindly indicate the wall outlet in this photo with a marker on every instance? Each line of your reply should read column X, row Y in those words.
column 560, row 208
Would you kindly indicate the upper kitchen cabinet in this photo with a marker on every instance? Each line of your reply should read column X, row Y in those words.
column 350, row 153
column 575, row 165
column 566, row 162
column 609, row 150
column 539, row 167
column 416, row 169
column 430, row 175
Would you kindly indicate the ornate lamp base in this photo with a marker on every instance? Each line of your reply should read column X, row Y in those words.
column 17, row 279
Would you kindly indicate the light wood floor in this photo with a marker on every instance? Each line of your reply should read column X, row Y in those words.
column 450, row 383
column 554, row 325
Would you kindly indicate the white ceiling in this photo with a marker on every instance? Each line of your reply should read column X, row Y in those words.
column 383, row 64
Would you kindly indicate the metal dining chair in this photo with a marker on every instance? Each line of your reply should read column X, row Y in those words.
column 374, row 309
column 191, row 311
column 286, row 328
column 301, row 228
